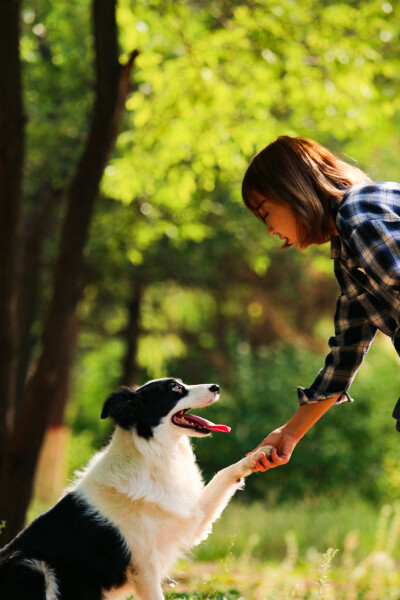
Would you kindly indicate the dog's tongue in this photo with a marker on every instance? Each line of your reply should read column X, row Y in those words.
column 223, row 428
column 208, row 424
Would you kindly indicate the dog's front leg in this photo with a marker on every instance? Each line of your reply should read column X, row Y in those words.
column 148, row 587
column 221, row 488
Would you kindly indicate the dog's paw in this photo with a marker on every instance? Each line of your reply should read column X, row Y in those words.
column 257, row 454
column 246, row 463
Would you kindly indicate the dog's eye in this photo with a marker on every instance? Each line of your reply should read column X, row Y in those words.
column 177, row 388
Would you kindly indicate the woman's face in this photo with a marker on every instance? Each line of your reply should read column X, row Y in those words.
column 280, row 220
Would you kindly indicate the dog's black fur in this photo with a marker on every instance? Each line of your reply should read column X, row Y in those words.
column 85, row 554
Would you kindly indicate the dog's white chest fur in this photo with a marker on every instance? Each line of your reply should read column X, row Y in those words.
column 152, row 498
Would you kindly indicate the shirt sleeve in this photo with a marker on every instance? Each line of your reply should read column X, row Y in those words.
column 353, row 337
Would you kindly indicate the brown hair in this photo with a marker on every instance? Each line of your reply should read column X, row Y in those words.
column 305, row 176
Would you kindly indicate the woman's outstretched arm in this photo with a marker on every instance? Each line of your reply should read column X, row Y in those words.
column 285, row 438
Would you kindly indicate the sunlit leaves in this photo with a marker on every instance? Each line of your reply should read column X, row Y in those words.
column 213, row 85
column 167, row 307
column 156, row 351
column 56, row 47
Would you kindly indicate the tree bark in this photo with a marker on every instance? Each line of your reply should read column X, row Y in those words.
column 35, row 234
column 132, row 333
column 113, row 85
column 12, row 140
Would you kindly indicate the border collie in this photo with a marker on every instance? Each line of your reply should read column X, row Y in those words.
column 139, row 504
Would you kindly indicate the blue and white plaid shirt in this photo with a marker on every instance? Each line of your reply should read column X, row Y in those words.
column 366, row 258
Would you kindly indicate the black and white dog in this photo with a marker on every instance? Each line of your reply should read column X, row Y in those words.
column 138, row 506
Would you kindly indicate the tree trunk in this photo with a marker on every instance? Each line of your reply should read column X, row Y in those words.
column 113, row 85
column 12, row 139
column 51, row 469
column 35, row 234
column 132, row 335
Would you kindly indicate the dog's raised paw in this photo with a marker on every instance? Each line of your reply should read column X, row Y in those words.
column 257, row 454
column 247, row 462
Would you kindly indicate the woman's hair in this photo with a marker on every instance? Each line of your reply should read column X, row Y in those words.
column 306, row 177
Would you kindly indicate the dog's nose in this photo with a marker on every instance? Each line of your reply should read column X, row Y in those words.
column 214, row 388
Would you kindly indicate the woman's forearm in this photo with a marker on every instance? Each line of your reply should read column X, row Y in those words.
column 306, row 416
column 285, row 438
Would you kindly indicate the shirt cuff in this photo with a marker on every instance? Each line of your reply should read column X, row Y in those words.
column 309, row 396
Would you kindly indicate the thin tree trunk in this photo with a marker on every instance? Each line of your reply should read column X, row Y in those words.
column 12, row 139
column 132, row 334
column 113, row 85
column 35, row 234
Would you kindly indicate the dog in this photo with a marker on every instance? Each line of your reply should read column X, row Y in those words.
column 138, row 505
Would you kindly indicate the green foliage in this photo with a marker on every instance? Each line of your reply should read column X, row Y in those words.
column 97, row 373
column 57, row 51
column 352, row 448
column 216, row 83
column 343, row 451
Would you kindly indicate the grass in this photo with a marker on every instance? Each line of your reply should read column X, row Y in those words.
column 325, row 577
column 311, row 526
column 330, row 576
column 366, row 567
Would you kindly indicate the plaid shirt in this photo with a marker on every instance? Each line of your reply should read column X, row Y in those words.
column 366, row 258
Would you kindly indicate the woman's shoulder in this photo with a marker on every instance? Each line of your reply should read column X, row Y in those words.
column 366, row 201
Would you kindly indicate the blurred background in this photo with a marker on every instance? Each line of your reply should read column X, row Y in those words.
column 175, row 277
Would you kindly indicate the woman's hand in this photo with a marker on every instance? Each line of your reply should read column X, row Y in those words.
column 285, row 438
column 283, row 444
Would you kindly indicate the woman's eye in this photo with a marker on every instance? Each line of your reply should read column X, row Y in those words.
column 177, row 388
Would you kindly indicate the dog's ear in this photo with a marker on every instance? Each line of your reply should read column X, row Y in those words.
column 124, row 406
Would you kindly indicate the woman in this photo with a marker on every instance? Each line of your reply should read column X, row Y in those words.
column 306, row 195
